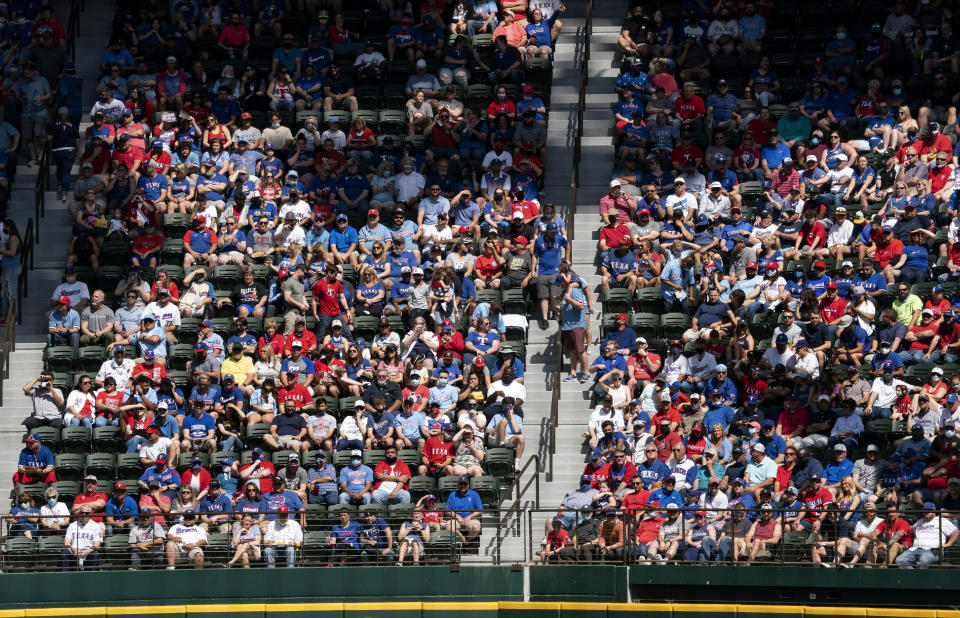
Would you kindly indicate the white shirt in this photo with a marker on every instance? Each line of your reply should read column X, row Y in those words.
column 121, row 373
column 720, row 501
column 283, row 237
column 787, row 359
column 504, row 156
column 83, row 537
column 301, row 210
column 932, row 534
column 770, row 288
column 339, row 139
column 547, row 7
column 168, row 315
column 58, row 514
column 840, row 234
column 685, row 203
column 187, row 534
column 515, row 390
column 886, row 393
column 808, row 366
column 150, row 450
column 711, row 207
column 284, row 534
column 598, row 416
column 673, row 368
column 718, row 28
column 366, row 59
column 409, row 185
column 76, row 401
column 75, row 291
column 679, row 471
column 702, row 367
column 835, row 175
column 865, row 527
column 870, row 309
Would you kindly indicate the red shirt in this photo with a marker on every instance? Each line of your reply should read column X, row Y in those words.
column 665, row 444
column 234, row 36
column 688, row 108
column 937, row 308
column 939, row 176
column 333, row 160
column 327, row 296
column 87, row 498
column 601, row 473
column 266, row 482
column 421, row 394
column 130, row 159
column 886, row 531
column 100, row 162
column 557, row 539
column 920, row 344
column 789, row 420
column 297, row 393
column 155, row 371
column 648, row 529
column 611, row 235
column 634, row 502
column 758, row 388
column 137, row 424
column 783, row 476
column 397, row 469
column 486, row 266
column 681, row 155
column 948, row 334
column 451, row 343
column 276, row 343
column 307, row 338
column 886, row 252
column 145, row 244
column 638, row 369
column 832, row 310
column 814, row 500
column 197, row 113
column 812, row 232
column 761, row 130
column 695, row 449
column 436, row 450
column 746, row 156
column 203, row 476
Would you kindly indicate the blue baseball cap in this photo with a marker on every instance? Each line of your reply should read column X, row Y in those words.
column 33, row 438
column 782, row 339
column 802, row 343
column 753, row 399
column 553, row 227
column 586, row 478
column 207, row 323
column 257, row 451
column 148, row 353
column 721, row 367
column 952, row 398
column 702, row 220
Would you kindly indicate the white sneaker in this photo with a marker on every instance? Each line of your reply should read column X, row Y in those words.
column 516, row 464
column 171, row 568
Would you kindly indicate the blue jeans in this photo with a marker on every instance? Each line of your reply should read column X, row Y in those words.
column 70, row 339
column 343, row 445
column 64, row 161
column 501, row 77
column 345, row 498
column 725, row 549
column 449, row 76
column 134, row 443
column 383, row 497
column 948, row 357
column 231, row 444
column 154, row 557
column 880, row 413
column 469, row 152
column 474, row 25
column 10, row 277
column 915, row 555
column 704, row 553
column 86, row 421
column 101, row 421
column 69, row 561
column 329, row 498
column 270, row 554
column 912, row 357
column 323, row 325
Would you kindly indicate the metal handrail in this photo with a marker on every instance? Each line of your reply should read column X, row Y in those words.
column 43, row 181
column 570, row 227
column 73, row 29
column 520, row 491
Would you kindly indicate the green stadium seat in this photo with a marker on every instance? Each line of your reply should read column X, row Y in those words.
column 75, row 439
column 69, row 466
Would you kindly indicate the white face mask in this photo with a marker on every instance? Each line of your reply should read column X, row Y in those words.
column 71, row 278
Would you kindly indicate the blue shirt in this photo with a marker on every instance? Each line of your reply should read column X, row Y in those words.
column 167, row 477
column 41, row 459
column 651, row 473
column 220, row 504
column 198, row 427
column 410, row 425
column 664, row 498
column 353, row 186
column 570, row 315
column 57, row 319
column 834, row 472
column 874, row 282
column 722, row 414
column 356, row 478
column 916, row 256
column 774, row 155
column 275, row 500
column 343, row 240
column 127, row 507
column 549, row 254
column 464, row 504
column 675, row 273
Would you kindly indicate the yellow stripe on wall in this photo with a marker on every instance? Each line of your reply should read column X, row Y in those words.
column 304, row 607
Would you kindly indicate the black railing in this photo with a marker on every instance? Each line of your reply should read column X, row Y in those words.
column 73, row 28
column 571, row 216
column 518, row 488
column 43, row 183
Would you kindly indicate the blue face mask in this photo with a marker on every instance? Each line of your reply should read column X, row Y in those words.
column 355, row 461
column 814, row 141
column 798, row 274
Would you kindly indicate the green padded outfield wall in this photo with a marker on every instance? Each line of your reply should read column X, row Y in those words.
column 484, row 592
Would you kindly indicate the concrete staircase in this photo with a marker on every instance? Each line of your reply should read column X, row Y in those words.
column 50, row 249
column 595, row 169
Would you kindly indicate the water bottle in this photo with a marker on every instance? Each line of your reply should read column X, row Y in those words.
column 80, row 562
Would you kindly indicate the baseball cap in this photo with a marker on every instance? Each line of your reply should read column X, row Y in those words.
column 421, row 63
column 758, row 448
column 782, row 339
column 64, row 300
column 840, row 448
column 873, row 448
column 33, row 438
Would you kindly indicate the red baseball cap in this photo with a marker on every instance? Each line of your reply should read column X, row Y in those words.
column 200, row 218
column 643, row 211
column 283, row 508
column 463, row 229
column 625, row 242
column 245, row 115
column 283, row 273
column 64, row 300
column 521, row 240
column 751, row 264
column 819, row 264
column 528, row 89
column 328, row 346
column 478, row 361
column 372, row 213
column 119, row 485
column 831, row 285
column 621, row 316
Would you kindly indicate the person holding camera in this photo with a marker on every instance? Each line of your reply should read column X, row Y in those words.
column 47, row 401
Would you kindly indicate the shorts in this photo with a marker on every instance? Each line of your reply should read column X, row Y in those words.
column 547, row 286
column 693, row 335
column 574, row 340
column 34, row 126
column 250, row 308
column 289, row 442
column 187, row 554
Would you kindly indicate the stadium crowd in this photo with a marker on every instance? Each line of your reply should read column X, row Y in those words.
column 778, row 253
column 305, row 240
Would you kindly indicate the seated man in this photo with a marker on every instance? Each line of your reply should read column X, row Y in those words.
column 186, row 541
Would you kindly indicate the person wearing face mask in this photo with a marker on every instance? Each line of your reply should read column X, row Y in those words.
column 355, row 481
